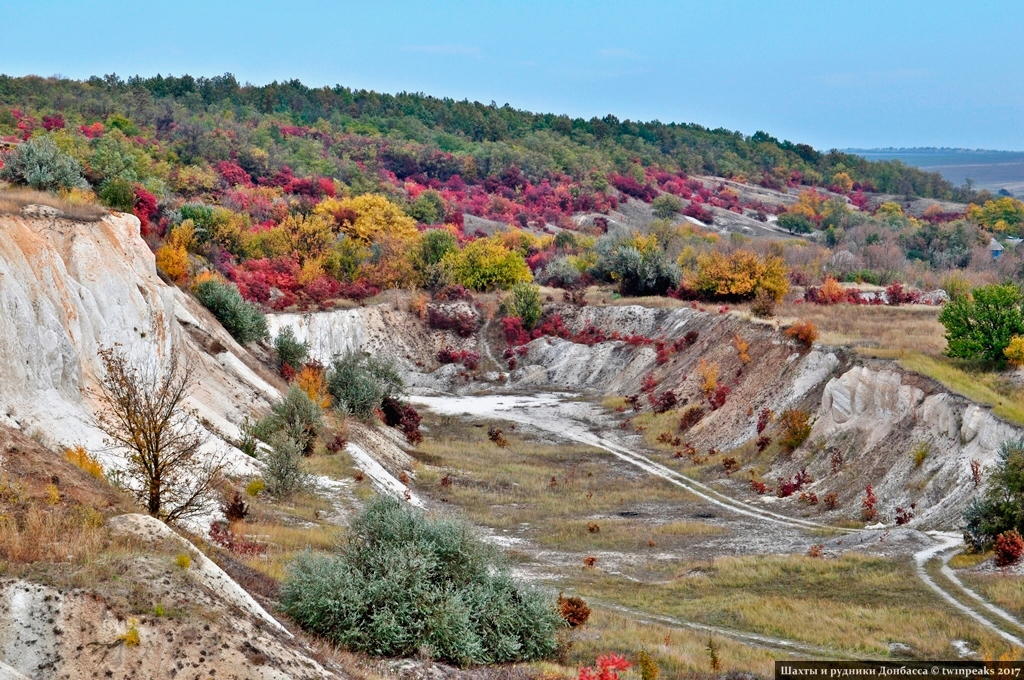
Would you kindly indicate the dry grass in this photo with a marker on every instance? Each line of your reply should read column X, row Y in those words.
column 12, row 200
column 909, row 328
column 676, row 651
column 966, row 560
column 1004, row 590
column 539, row 485
column 37, row 534
column 622, row 534
column 855, row 605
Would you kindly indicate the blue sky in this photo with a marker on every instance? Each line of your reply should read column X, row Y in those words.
column 860, row 74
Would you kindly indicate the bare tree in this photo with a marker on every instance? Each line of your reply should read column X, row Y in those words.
column 146, row 417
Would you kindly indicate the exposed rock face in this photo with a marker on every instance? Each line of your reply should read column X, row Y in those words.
column 68, row 290
column 877, row 419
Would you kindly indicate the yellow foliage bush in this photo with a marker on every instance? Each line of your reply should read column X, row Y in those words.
column 741, row 347
column 254, row 487
column 1014, row 351
column 843, row 179
column 193, row 179
column 313, row 381
column 173, row 262
column 486, row 264
column 376, row 216
column 78, row 456
column 738, row 275
column 1003, row 215
column 183, row 560
column 804, row 332
column 708, row 376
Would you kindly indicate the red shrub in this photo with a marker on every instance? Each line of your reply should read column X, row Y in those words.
column 552, row 325
column 233, row 174
column 764, row 419
column 404, row 417
column 904, row 515
column 1009, row 547
column 691, row 417
column 648, row 383
column 466, row 357
column 831, row 501
column 608, row 665
column 663, row 402
column 462, row 322
column 221, row 534
column 590, row 336
column 698, row 212
column 453, row 294
column 515, row 334
column 54, row 122
column 787, row 487
column 868, row 509
column 763, row 442
column 717, row 398
column 758, row 487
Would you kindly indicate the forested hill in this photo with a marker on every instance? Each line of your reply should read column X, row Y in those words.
column 353, row 135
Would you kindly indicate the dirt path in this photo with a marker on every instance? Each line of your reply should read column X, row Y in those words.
column 947, row 543
column 576, row 421
column 751, row 639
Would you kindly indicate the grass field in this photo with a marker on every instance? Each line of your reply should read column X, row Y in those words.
column 855, row 605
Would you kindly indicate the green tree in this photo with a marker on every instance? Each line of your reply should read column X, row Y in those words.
column 523, row 301
column 795, row 223
column 428, row 208
column 666, row 206
column 981, row 326
column 1002, row 506
column 118, row 195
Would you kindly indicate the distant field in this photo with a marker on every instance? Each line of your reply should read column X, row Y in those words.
column 992, row 170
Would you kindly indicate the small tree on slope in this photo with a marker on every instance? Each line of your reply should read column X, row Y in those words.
column 145, row 416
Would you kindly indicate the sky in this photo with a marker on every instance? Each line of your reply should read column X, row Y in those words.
column 835, row 75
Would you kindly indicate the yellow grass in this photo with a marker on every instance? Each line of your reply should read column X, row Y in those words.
column 12, row 200
column 911, row 328
column 855, row 604
column 966, row 560
column 1004, row 590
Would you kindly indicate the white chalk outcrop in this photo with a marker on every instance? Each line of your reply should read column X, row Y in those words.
column 878, row 419
column 69, row 289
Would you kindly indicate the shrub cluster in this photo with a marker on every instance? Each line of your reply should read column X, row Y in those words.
column 404, row 583
column 358, row 383
column 243, row 320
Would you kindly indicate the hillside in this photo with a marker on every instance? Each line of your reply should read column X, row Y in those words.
column 577, row 453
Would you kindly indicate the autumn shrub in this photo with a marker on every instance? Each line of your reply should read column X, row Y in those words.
column 763, row 442
column 788, row 486
column 221, row 534
column 235, row 509
column 523, row 301
column 514, row 333
column 803, row 331
column 869, row 505
column 438, row 587
column 1014, row 351
column 466, row 357
column 1008, row 548
column 243, row 320
column 486, row 264
column 312, row 380
column 496, row 435
column 359, row 382
column 796, row 427
column 831, row 500
column 574, row 610
column 607, row 667
column 290, row 351
column 764, row 419
column 403, row 416
column 718, row 397
column 80, row 458
column 708, row 373
column 904, row 515
column 737, row 276
column 463, row 322
column 763, row 305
